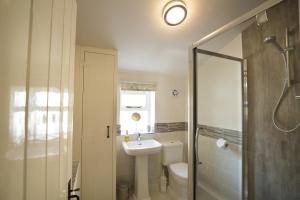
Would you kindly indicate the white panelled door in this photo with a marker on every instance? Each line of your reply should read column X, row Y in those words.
column 36, row 86
column 98, row 122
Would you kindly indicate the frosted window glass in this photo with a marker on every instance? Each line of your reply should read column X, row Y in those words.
column 142, row 102
column 133, row 100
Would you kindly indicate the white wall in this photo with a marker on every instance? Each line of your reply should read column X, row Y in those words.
column 234, row 47
column 219, row 89
column 168, row 107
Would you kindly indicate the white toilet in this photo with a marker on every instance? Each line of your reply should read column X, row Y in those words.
column 178, row 170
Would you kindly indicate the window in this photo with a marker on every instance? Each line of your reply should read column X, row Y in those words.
column 142, row 102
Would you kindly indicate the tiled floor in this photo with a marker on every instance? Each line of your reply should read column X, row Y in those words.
column 159, row 196
column 203, row 195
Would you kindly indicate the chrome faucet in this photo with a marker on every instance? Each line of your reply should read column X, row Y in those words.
column 139, row 138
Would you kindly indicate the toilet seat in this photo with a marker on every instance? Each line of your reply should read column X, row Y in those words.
column 179, row 172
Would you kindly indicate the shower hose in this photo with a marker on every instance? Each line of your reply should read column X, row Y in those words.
column 282, row 95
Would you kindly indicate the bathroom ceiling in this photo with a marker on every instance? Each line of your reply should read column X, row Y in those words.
column 144, row 42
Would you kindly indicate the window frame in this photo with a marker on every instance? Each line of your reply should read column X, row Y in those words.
column 150, row 102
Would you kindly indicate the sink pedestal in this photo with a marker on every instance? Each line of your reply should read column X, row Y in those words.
column 141, row 150
column 141, row 178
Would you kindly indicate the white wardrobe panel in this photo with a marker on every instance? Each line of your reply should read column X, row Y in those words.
column 14, row 23
column 36, row 84
column 38, row 99
column 71, row 87
column 65, row 99
column 78, row 88
column 54, row 96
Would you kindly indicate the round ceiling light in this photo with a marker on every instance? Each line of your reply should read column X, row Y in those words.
column 174, row 13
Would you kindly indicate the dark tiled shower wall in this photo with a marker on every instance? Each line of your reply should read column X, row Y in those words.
column 273, row 156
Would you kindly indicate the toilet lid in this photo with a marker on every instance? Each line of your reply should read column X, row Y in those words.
column 180, row 170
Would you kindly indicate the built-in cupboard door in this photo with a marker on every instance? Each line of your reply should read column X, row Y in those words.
column 98, row 119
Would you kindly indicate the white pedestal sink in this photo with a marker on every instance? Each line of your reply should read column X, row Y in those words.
column 141, row 151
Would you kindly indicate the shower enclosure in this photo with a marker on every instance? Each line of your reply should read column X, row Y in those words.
column 245, row 107
column 219, row 118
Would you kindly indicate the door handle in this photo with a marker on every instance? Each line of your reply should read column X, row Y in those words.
column 196, row 145
column 107, row 134
column 70, row 190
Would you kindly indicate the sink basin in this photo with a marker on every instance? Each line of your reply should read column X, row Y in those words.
column 146, row 147
column 141, row 150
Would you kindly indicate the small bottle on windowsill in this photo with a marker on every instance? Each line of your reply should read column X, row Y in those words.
column 126, row 137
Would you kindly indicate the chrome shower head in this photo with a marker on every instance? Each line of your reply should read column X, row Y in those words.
column 272, row 40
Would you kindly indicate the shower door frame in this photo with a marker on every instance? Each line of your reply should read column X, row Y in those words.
column 244, row 106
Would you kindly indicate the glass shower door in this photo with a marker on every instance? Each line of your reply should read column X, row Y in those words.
column 219, row 129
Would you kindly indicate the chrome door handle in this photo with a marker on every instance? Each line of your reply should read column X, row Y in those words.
column 107, row 135
column 196, row 145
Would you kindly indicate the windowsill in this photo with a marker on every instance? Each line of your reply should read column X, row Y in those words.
column 123, row 132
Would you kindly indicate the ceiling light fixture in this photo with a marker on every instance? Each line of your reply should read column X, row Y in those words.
column 174, row 12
